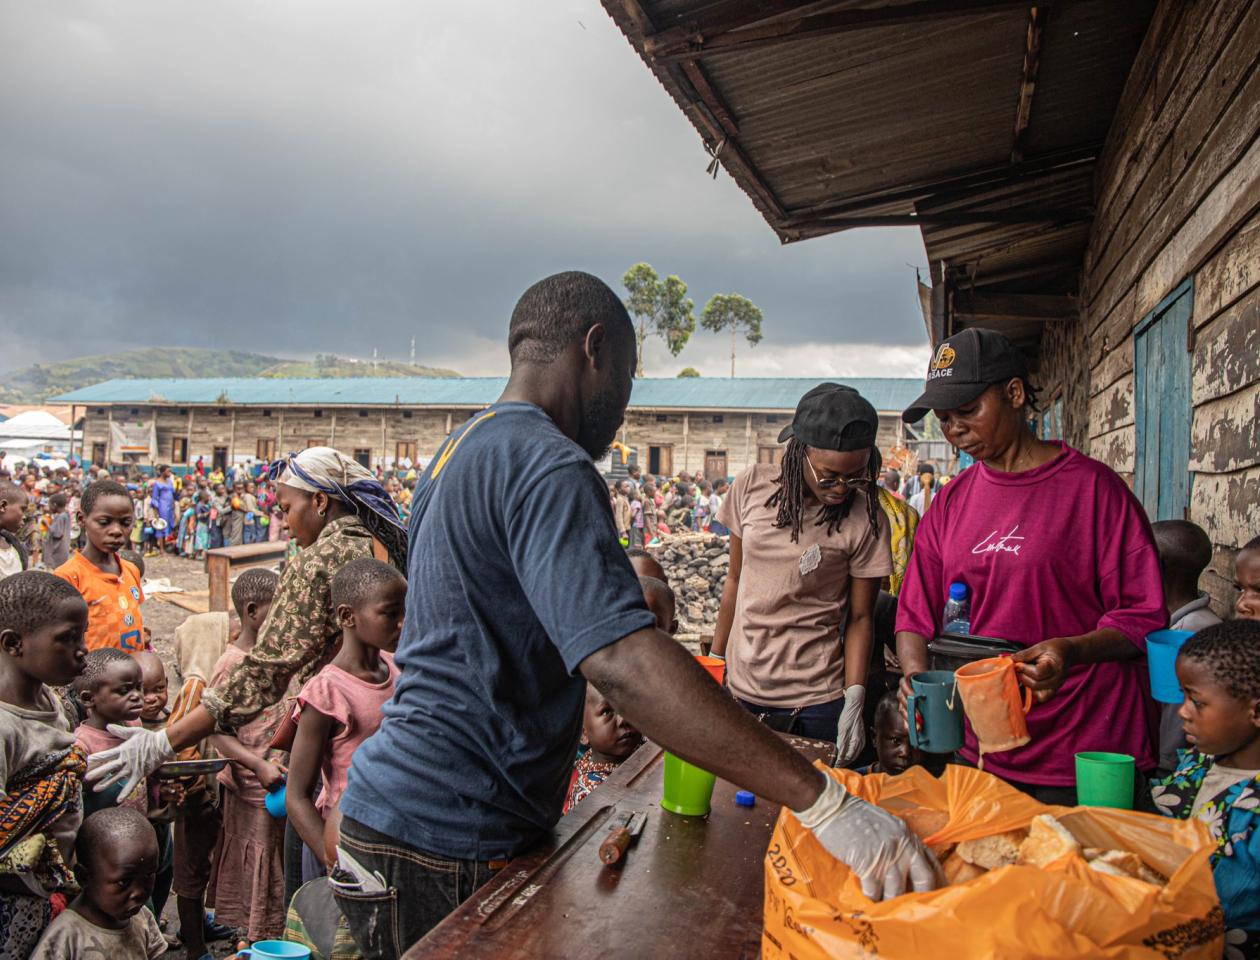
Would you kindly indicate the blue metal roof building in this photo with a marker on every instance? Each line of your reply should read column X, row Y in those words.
column 886, row 394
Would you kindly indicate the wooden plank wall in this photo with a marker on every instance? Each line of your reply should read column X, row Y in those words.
column 1178, row 195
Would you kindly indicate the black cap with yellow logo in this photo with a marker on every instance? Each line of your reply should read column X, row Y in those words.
column 963, row 367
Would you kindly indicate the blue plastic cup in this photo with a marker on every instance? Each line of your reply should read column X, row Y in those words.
column 1161, row 657
column 274, row 801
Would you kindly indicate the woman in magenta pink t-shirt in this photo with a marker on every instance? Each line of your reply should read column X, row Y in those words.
column 1057, row 555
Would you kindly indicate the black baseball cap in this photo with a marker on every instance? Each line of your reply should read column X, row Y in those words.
column 833, row 417
column 963, row 367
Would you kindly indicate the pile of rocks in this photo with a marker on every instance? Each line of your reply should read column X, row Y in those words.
column 696, row 565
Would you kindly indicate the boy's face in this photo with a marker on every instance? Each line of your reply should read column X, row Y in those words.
column 1247, row 581
column 606, row 730
column 1217, row 722
column 12, row 509
column 377, row 621
column 892, row 744
column 108, row 526
column 256, row 613
column 52, row 653
column 119, row 693
column 153, row 685
column 121, row 877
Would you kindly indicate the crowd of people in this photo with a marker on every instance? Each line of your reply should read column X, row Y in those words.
column 432, row 684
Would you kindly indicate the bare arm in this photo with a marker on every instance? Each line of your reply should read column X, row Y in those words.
column 1044, row 666
column 730, row 592
column 859, row 633
column 313, row 733
column 656, row 685
column 269, row 774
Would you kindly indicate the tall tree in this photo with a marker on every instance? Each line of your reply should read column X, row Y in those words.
column 736, row 312
column 660, row 308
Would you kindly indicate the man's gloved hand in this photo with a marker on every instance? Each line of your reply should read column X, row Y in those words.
column 851, row 734
column 141, row 752
column 877, row 846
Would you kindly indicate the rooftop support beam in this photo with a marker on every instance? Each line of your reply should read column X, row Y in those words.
column 732, row 29
column 1028, row 307
column 950, row 218
column 1028, row 81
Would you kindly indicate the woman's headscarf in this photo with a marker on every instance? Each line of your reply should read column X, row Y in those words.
column 331, row 472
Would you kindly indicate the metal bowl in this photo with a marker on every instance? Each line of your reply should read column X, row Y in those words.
column 190, row 768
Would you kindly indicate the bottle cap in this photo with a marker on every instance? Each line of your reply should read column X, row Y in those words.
column 744, row 798
column 958, row 591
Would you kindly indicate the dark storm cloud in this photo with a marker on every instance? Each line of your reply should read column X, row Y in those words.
column 300, row 177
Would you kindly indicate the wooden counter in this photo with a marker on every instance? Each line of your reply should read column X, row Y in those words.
column 689, row 887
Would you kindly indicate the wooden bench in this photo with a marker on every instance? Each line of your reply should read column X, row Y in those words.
column 222, row 561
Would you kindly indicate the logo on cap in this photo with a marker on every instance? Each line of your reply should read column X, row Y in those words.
column 944, row 358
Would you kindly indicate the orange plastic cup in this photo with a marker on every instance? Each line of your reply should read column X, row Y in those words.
column 991, row 699
column 715, row 667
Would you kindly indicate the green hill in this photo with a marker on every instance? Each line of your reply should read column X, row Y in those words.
column 38, row 382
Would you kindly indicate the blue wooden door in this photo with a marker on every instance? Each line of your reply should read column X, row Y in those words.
column 1161, row 368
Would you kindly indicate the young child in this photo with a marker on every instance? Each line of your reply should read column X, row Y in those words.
column 1218, row 779
column 57, row 540
column 42, row 619
column 891, row 739
column 249, row 874
column 117, row 861
column 610, row 739
column 110, row 585
column 1247, row 580
column 1184, row 553
column 340, row 706
column 13, row 500
column 168, row 794
column 111, row 691
column 203, row 509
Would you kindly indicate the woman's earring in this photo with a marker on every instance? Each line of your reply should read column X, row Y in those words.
column 322, row 512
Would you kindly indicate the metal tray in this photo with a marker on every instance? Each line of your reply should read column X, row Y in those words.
column 191, row 768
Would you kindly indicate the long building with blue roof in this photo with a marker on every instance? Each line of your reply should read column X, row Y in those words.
column 714, row 424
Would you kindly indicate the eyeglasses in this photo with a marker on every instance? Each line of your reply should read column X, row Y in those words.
column 856, row 483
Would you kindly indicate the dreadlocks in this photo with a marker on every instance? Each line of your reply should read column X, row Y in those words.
column 790, row 495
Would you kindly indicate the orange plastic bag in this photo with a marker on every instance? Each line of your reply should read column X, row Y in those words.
column 815, row 907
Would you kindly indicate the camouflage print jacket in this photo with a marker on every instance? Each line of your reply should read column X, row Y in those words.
column 300, row 634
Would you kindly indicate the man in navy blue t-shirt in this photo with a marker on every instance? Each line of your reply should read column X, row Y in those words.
column 518, row 594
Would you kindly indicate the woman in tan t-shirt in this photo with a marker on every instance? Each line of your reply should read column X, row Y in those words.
column 809, row 549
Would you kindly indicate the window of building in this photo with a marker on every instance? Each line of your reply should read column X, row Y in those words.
column 179, row 450
column 363, row 413
column 98, row 454
column 772, row 418
column 266, row 413
column 661, row 460
column 266, row 449
column 718, row 418
column 768, row 454
column 405, row 450
column 406, row 414
column 318, row 414
column 1162, row 407
column 100, row 411
column 222, row 412
column 183, row 411
column 364, row 456
column 662, row 418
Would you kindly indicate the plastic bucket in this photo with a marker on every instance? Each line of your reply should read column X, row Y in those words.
column 688, row 790
column 274, row 801
column 715, row 666
column 275, row 950
column 1161, row 658
column 1104, row 780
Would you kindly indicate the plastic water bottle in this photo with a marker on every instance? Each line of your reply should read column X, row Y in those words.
column 958, row 610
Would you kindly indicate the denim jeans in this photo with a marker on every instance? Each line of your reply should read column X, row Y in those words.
column 818, row 722
column 420, row 889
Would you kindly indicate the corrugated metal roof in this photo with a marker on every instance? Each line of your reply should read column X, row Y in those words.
column 888, row 394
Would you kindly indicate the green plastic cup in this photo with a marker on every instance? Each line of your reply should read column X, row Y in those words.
column 688, row 789
column 1104, row 780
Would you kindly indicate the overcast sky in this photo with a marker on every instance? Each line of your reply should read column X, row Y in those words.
column 301, row 177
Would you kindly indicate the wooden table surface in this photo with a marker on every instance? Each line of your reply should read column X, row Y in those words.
column 690, row 886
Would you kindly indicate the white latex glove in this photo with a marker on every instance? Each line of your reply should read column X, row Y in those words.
column 877, row 846
column 851, row 734
column 141, row 752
